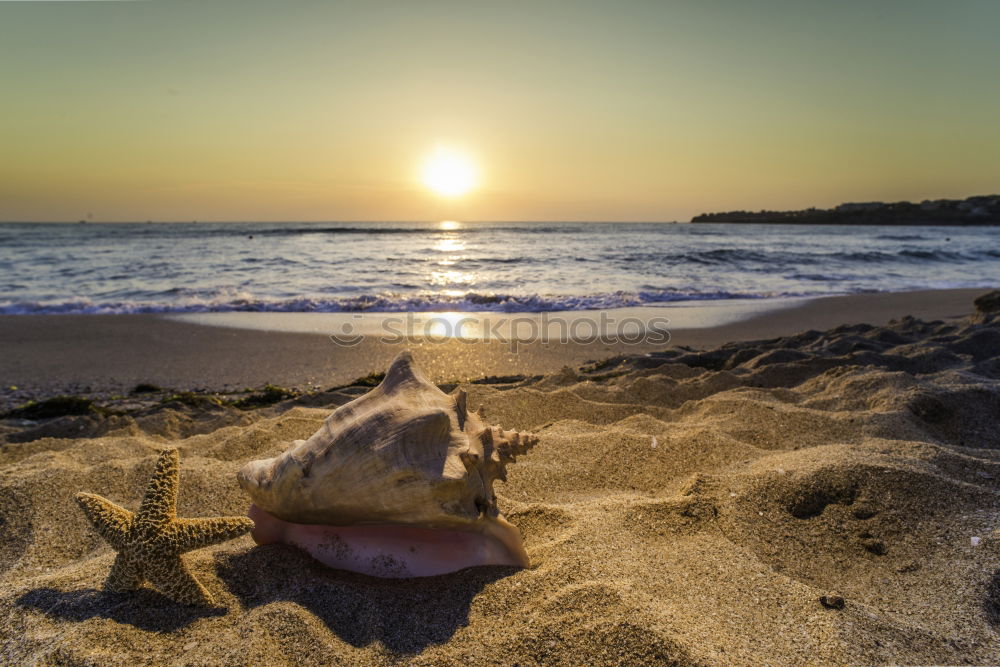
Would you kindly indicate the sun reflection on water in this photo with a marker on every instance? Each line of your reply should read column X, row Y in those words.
column 444, row 278
column 450, row 244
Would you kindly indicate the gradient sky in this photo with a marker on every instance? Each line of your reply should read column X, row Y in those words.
column 573, row 111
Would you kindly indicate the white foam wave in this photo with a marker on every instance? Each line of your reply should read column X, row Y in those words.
column 471, row 302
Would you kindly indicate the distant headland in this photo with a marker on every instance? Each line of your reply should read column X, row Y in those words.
column 982, row 210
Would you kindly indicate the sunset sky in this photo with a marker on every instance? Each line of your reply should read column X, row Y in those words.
column 569, row 111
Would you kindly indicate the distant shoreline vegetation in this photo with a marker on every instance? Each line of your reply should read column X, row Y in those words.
column 981, row 210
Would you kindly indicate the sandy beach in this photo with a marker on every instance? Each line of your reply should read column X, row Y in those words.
column 826, row 496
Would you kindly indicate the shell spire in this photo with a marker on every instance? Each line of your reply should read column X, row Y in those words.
column 501, row 447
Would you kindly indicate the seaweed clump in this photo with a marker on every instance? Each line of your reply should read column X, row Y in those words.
column 269, row 395
column 57, row 406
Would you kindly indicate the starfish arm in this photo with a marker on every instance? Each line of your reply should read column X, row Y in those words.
column 125, row 575
column 112, row 522
column 159, row 505
column 187, row 534
column 171, row 576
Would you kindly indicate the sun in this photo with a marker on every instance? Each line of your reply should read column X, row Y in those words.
column 449, row 172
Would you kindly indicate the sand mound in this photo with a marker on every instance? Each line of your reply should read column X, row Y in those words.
column 804, row 500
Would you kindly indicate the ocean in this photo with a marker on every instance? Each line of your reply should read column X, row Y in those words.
column 500, row 267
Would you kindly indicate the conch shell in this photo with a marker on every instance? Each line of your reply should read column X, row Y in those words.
column 396, row 483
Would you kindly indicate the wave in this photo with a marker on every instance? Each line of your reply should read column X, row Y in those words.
column 725, row 255
column 933, row 255
column 738, row 257
column 900, row 237
column 819, row 277
column 499, row 260
column 390, row 303
column 717, row 256
column 905, row 255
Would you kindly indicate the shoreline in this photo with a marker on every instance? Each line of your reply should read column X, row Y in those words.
column 94, row 354
column 501, row 325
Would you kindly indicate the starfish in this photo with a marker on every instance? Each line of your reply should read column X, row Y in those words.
column 150, row 542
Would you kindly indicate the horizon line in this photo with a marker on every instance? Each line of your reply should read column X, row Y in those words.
column 334, row 222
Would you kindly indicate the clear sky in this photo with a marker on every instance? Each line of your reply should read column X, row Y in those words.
column 208, row 110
